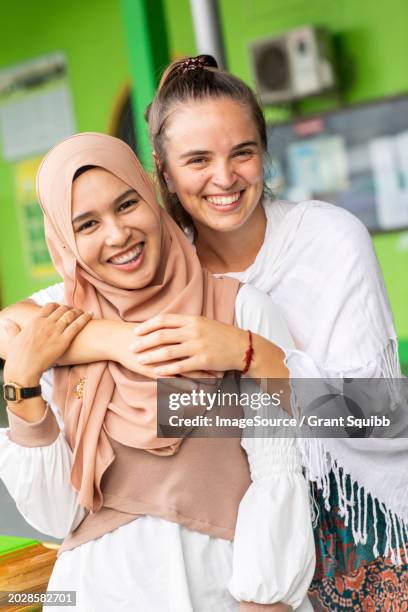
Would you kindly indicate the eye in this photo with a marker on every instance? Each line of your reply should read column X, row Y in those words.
column 197, row 161
column 126, row 205
column 244, row 153
column 86, row 225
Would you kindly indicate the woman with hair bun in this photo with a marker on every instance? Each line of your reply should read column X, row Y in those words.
column 317, row 263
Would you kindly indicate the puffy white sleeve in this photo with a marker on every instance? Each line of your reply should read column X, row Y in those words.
column 36, row 472
column 53, row 293
column 274, row 552
column 35, row 461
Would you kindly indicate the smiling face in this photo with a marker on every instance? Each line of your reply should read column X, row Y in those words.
column 214, row 162
column 117, row 234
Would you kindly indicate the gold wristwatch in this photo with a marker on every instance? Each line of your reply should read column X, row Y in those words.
column 16, row 393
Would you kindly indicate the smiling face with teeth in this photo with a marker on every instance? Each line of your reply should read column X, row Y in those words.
column 214, row 163
column 117, row 234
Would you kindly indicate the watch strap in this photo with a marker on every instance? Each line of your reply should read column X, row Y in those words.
column 29, row 392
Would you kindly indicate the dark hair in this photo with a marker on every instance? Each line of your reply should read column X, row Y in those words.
column 81, row 171
column 191, row 79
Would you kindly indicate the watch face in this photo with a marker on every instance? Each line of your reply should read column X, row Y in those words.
column 10, row 393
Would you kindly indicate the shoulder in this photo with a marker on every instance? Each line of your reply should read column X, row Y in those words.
column 53, row 293
column 276, row 210
column 324, row 228
column 314, row 219
column 319, row 216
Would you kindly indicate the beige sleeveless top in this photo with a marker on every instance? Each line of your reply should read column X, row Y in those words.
column 200, row 487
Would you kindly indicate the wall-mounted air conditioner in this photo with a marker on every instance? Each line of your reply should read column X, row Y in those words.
column 294, row 65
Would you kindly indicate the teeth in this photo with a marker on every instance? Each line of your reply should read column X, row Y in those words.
column 223, row 200
column 128, row 256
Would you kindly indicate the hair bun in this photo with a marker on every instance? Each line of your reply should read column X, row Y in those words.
column 196, row 63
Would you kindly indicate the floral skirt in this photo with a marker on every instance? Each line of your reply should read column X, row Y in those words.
column 350, row 576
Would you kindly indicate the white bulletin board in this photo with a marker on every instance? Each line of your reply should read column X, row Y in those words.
column 36, row 108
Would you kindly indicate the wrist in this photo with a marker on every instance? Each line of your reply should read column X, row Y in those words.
column 121, row 337
column 242, row 347
column 246, row 353
column 23, row 379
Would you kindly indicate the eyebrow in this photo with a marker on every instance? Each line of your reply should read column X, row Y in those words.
column 246, row 143
column 91, row 213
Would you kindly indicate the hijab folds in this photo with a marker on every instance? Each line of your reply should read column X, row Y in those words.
column 116, row 402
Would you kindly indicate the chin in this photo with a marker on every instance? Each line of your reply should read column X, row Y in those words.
column 129, row 281
column 228, row 224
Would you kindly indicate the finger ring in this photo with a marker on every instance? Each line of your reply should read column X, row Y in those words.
column 65, row 320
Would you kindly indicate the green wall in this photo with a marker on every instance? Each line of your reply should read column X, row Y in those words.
column 91, row 36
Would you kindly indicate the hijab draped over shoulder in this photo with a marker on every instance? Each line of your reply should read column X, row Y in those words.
column 116, row 402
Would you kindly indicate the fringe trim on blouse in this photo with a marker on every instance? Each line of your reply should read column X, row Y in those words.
column 354, row 501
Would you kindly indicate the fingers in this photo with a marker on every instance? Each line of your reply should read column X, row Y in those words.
column 60, row 313
column 157, row 338
column 166, row 353
column 54, row 311
column 48, row 309
column 160, row 322
column 77, row 323
column 178, row 367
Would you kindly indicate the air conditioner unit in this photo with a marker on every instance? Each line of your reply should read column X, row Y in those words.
column 293, row 65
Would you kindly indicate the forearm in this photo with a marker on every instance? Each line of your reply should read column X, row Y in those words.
column 96, row 342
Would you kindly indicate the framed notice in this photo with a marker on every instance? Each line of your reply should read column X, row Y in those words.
column 36, row 108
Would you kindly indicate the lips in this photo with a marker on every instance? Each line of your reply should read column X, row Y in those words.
column 223, row 200
column 127, row 256
column 224, row 203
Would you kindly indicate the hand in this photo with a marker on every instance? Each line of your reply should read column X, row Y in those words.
column 191, row 343
column 41, row 342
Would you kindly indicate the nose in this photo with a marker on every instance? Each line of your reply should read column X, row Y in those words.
column 117, row 233
column 224, row 175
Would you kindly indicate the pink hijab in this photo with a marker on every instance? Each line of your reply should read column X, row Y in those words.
column 116, row 402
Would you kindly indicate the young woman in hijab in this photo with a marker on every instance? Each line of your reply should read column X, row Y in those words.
column 150, row 520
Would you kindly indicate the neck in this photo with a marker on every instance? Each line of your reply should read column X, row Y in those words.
column 231, row 251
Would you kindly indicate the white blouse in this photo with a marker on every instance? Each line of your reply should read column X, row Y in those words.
column 153, row 565
column 318, row 265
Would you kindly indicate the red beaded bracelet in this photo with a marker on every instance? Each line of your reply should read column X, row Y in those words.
column 249, row 353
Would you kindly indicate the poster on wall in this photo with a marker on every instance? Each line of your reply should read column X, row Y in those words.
column 36, row 108
column 355, row 157
column 31, row 219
